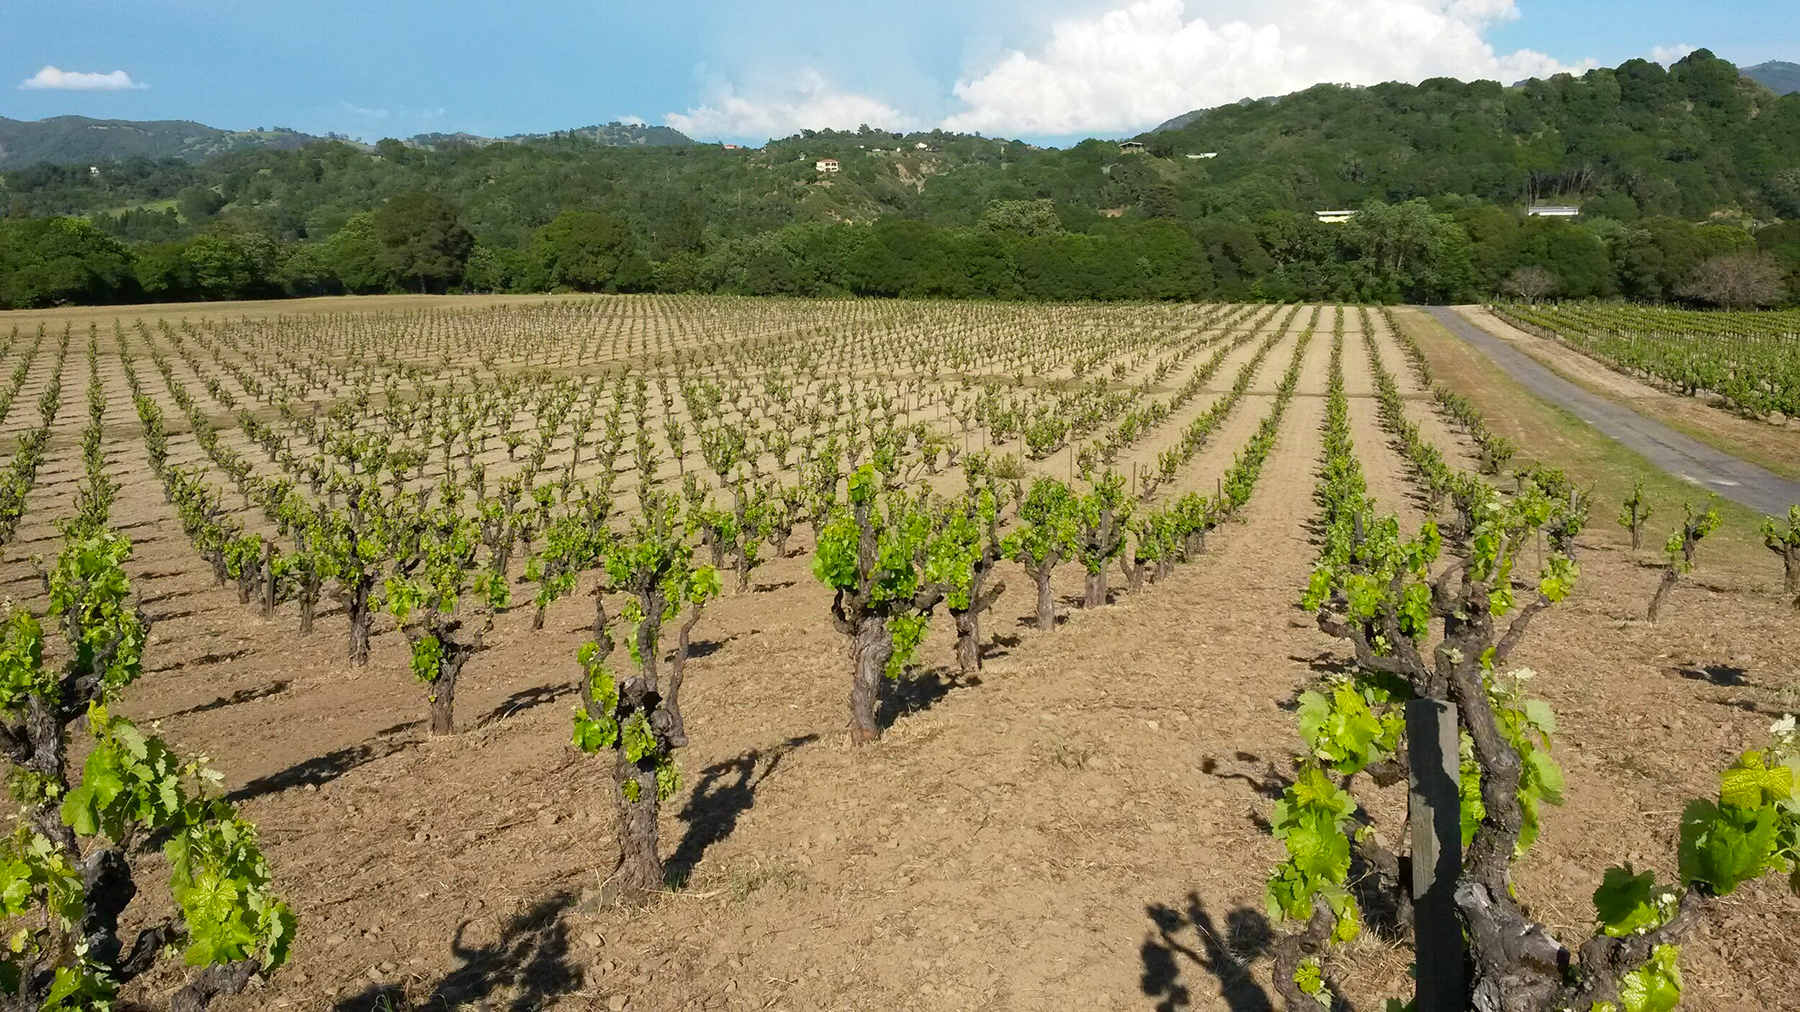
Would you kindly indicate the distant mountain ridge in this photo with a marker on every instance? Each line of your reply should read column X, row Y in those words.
column 614, row 134
column 1779, row 77
column 80, row 140
column 67, row 140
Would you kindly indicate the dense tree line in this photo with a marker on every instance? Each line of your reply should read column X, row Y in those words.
column 1016, row 250
column 1679, row 174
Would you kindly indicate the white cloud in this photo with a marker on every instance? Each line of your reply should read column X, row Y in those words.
column 1667, row 55
column 806, row 102
column 51, row 78
column 1145, row 61
column 632, row 120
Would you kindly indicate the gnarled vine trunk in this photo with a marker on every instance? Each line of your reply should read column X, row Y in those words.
column 443, row 704
column 968, row 620
column 1046, row 602
column 268, row 580
column 671, row 700
column 870, row 647
column 357, row 605
column 1096, row 589
column 1663, row 586
column 639, row 873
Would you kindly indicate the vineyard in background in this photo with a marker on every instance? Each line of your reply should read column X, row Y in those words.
column 432, row 473
column 1749, row 360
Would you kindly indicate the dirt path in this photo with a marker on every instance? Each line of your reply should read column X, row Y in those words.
column 1680, row 455
column 1385, row 470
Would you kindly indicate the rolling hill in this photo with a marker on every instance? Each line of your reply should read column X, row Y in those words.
column 1781, row 78
column 1692, row 140
column 74, row 140
column 79, row 140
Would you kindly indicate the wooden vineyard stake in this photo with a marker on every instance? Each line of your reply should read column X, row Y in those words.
column 1435, row 813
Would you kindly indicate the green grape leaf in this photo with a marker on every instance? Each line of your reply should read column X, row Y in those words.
column 1627, row 904
column 1725, row 846
column 1654, row 987
column 1749, row 783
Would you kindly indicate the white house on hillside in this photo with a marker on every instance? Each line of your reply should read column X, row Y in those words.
column 1334, row 217
column 1204, row 154
column 826, row 165
column 1553, row 212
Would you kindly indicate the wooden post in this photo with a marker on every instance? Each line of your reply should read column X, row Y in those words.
column 1435, row 814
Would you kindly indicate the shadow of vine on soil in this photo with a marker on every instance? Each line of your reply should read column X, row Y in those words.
column 725, row 791
column 1226, row 955
column 520, row 972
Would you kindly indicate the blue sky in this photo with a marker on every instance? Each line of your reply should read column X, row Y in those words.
column 1046, row 70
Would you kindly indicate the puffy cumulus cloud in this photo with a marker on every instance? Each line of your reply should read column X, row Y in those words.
column 52, row 79
column 632, row 120
column 1147, row 60
column 1667, row 55
column 806, row 102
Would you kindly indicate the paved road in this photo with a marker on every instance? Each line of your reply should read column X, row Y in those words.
column 1681, row 456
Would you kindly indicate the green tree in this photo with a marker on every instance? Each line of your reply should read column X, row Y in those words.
column 1407, row 252
column 422, row 240
column 55, row 261
column 1021, row 217
column 585, row 250
column 354, row 253
column 199, row 203
column 229, row 264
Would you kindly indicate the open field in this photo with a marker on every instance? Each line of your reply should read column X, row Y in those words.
column 1082, row 823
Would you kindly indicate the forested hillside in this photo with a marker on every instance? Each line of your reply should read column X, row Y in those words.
column 72, row 140
column 1624, row 143
column 1674, row 170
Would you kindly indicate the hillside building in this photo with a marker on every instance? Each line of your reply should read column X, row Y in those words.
column 826, row 165
column 1131, row 147
column 1553, row 212
column 1334, row 217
